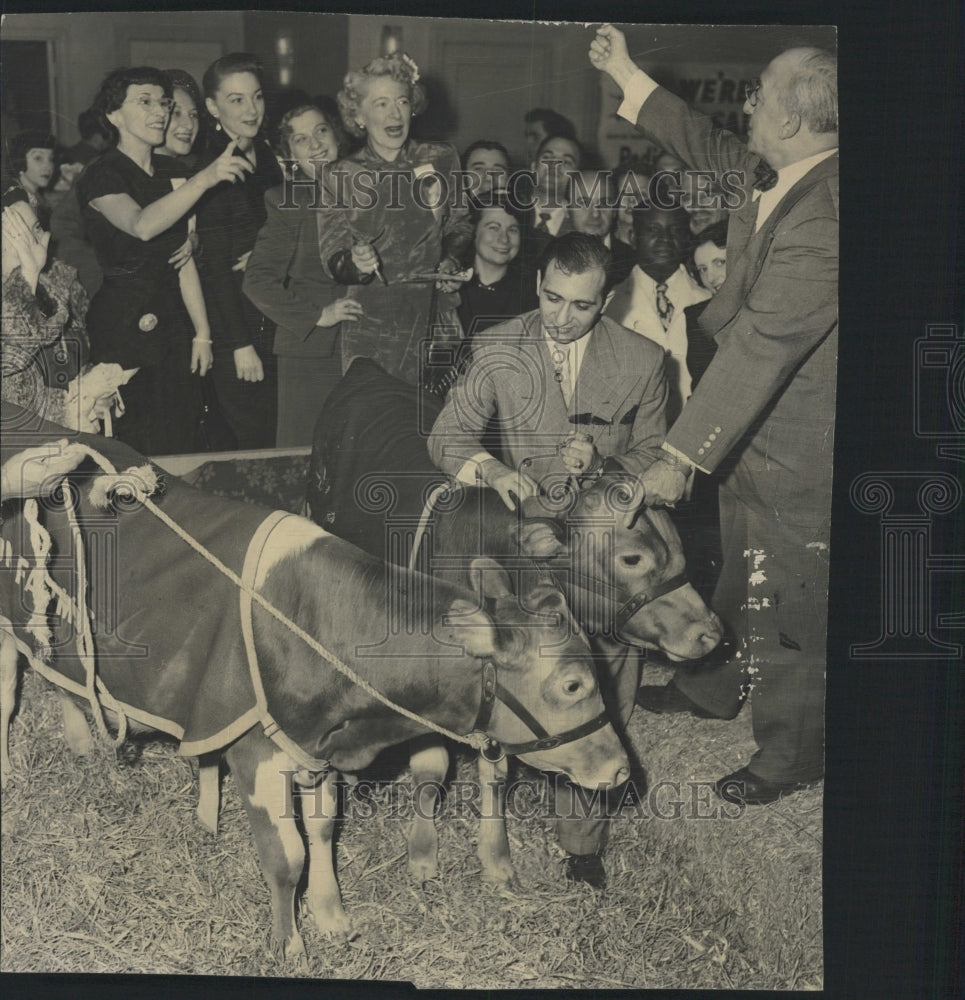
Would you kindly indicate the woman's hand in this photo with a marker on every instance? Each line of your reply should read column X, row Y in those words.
column 365, row 258
column 182, row 255
column 229, row 166
column 24, row 243
column 451, row 266
column 248, row 366
column 339, row 310
column 38, row 470
column 242, row 262
column 202, row 355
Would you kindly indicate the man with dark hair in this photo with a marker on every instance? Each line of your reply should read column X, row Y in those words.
column 540, row 124
column 573, row 394
column 658, row 289
column 573, row 391
column 488, row 161
column 593, row 203
column 765, row 406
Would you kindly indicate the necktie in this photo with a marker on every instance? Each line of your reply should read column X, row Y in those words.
column 543, row 226
column 664, row 305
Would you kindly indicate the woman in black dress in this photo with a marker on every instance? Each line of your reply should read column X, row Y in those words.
column 149, row 314
column 229, row 218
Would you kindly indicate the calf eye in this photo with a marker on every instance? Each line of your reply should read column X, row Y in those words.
column 571, row 687
column 630, row 560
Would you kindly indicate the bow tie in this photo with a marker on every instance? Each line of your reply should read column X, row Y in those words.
column 765, row 176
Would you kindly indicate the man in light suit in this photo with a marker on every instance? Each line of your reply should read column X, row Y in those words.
column 573, row 394
column 765, row 406
column 572, row 391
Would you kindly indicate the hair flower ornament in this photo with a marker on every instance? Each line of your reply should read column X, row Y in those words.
column 411, row 65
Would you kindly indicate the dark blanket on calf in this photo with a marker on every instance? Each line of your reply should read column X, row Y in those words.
column 373, row 421
column 166, row 623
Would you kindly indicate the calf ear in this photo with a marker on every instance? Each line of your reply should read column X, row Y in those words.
column 489, row 579
column 467, row 626
column 541, row 539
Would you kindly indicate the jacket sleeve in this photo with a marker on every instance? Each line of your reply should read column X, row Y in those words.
column 790, row 309
column 457, row 434
column 269, row 283
column 692, row 136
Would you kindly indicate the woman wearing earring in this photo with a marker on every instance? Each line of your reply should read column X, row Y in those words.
column 396, row 220
column 149, row 314
column 32, row 165
column 229, row 218
column 285, row 280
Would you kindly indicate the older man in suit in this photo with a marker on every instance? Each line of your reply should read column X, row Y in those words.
column 573, row 394
column 765, row 405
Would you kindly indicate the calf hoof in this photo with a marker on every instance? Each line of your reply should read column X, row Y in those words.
column 423, row 869
column 333, row 922
column 502, row 875
column 587, row 868
column 291, row 950
column 77, row 735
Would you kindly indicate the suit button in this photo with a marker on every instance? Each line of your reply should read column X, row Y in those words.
column 526, row 463
column 700, row 451
column 717, row 429
column 713, row 437
column 706, row 445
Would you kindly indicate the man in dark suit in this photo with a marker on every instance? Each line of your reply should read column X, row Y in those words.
column 765, row 405
column 593, row 210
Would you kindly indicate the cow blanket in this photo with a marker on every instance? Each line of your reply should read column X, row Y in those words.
column 167, row 626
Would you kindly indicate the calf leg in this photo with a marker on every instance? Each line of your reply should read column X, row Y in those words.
column 76, row 729
column 493, row 850
column 8, row 694
column 319, row 812
column 263, row 774
column 429, row 762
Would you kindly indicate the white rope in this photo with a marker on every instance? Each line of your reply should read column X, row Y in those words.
column 428, row 507
column 125, row 483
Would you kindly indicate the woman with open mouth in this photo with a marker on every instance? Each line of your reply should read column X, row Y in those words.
column 149, row 314
column 285, row 280
column 229, row 218
column 396, row 223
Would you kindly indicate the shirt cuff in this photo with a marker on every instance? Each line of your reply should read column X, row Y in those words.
column 469, row 473
column 639, row 87
column 682, row 457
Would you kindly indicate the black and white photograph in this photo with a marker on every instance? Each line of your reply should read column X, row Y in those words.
column 444, row 543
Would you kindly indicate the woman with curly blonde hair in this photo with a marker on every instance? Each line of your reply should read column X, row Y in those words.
column 395, row 221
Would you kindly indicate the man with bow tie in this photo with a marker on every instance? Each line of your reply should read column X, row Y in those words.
column 572, row 392
column 764, row 409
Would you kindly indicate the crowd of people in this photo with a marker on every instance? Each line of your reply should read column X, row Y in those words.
column 678, row 330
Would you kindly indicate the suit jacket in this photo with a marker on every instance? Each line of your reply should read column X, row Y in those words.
column 285, row 278
column 624, row 259
column 619, row 399
column 766, row 401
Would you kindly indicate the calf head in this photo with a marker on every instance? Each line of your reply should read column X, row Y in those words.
column 547, row 707
column 627, row 583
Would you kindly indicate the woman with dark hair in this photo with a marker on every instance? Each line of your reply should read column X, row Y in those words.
column 229, row 218
column 285, row 280
column 499, row 288
column 185, row 121
column 710, row 265
column 148, row 315
column 396, row 223
column 31, row 155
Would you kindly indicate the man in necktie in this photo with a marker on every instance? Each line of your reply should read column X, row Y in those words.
column 652, row 299
column 573, row 394
column 765, row 405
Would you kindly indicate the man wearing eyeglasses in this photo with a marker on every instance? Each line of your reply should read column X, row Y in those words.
column 764, row 409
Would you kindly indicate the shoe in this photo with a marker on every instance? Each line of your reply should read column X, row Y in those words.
column 586, row 868
column 668, row 700
column 744, row 788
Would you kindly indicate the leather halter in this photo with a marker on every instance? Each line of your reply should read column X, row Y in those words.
column 493, row 690
column 636, row 601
